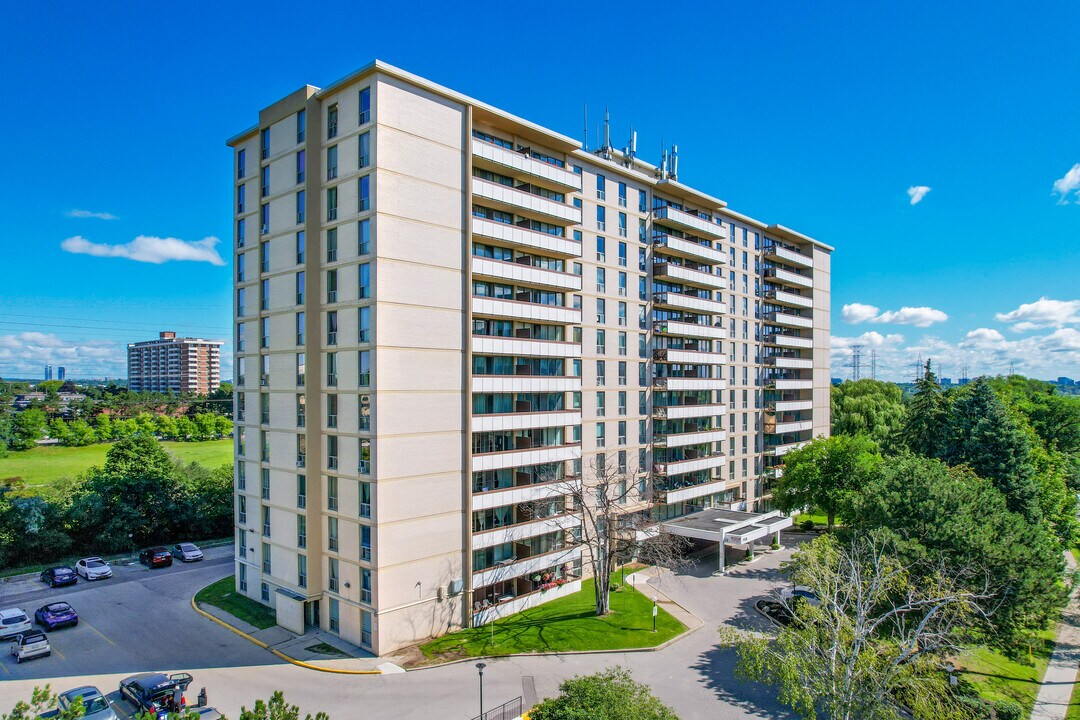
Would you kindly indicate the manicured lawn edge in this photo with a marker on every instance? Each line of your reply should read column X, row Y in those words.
column 14, row 573
column 996, row 676
column 221, row 595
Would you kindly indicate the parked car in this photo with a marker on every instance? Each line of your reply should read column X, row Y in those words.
column 93, row 568
column 96, row 705
column 30, row 645
column 59, row 576
column 155, row 557
column 153, row 692
column 13, row 621
column 187, row 552
column 56, row 614
column 800, row 593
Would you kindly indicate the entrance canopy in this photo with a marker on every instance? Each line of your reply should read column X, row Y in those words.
column 727, row 527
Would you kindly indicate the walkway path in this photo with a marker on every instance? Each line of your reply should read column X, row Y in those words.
column 1060, row 678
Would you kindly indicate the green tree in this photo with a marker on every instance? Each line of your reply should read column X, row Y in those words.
column 42, row 700
column 103, row 426
column 982, row 435
column 80, row 433
column 58, row 430
column 206, row 426
column 223, row 426
column 27, row 428
column 927, row 415
column 825, row 473
column 277, row 709
column 166, row 426
column 608, row 695
column 869, row 407
column 185, row 428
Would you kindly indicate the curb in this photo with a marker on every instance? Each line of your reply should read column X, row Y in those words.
column 283, row 656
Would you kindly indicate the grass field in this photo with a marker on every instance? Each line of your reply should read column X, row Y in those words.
column 222, row 595
column 997, row 676
column 569, row 623
column 45, row 465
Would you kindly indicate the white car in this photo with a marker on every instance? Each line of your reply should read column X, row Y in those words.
column 800, row 593
column 30, row 645
column 93, row 568
column 187, row 552
column 14, row 621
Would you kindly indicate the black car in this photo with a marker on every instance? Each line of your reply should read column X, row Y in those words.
column 153, row 692
column 155, row 557
column 59, row 576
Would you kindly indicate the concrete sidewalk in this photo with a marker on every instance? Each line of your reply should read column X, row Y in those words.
column 640, row 581
column 1060, row 678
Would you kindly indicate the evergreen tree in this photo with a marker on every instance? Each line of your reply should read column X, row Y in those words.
column 927, row 415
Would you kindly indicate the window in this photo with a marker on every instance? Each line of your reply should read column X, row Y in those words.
column 301, row 450
column 331, row 410
column 622, row 372
column 301, row 126
column 622, row 224
column 265, row 521
column 240, row 268
column 301, row 241
column 241, row 509
column 600, row 367
column 300, row 166
column 332, row 455
column 301, row 491
column 331, row 286
column 364, row 281
column 622, row 314
column 266, row 563
column 641, row 259
column 622, row 254
column 264, row 256
column 622, row 402
column 300, row 288
column 601, row 408
column 601, row 311
column 333, row 583
column 364, row 410
column 264, row 441
column 241, row 232
column 601, row 280
column 363, row 244
column 364, row 157
column 643, row 200
column 364, row 194
column 239, row 337
column 301, row 570
column 601, row 217
column 241, row 161
column 363, row 333
column 622, row 343
column 600, row 435
column 331, row 162
column 642, row 292
column 301, row 531
column 600, row 249
column 300, row 332
column 331, row 327
column 331, row 245
column 331, row 369
column 364, row 464
column 332, row 534
column 264, row 409
column 601, row 344
column 642, row 373
column 265, row 177
column 365, row 105
column 622, row 432
column 300, row 369
column 264, row 219
column 365, row 585
column 301, row 201
column 301, row 410
column 331, row 122
column 641, row 230
column 622, row 194
column 335, row 609
column 265, row 143
column 601, row 184
column 364, row 378
column 622, row 284
column 331, row 203
column 365, row 543
column 264, row 333
column 365, row 499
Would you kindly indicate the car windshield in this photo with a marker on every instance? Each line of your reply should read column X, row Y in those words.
column 58, row 608
column 15, row 620
column 96, row 705
column 95, row 563
column 188, row 547
column 31, row 639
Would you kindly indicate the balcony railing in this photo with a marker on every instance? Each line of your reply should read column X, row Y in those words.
column 792, row 256
column 561, row 213
column 679, row 273
column 525, row 164
column 671, row 245
column 681, row 219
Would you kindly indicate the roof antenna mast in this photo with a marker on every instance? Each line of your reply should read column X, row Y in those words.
column 585, row 116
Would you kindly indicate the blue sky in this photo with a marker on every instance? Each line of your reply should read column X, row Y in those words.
column 817, row 117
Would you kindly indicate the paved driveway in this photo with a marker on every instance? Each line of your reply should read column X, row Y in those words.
column 694, row 675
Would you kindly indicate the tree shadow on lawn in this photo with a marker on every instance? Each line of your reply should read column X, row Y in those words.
column 716, row 666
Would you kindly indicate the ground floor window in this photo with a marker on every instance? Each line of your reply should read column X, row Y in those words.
column 365, row 628
column 243, row 577
column 335, row 615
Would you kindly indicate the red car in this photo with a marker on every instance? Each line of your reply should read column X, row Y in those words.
column 155, row 557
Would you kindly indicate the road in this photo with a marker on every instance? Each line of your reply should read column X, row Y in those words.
column 693, row 675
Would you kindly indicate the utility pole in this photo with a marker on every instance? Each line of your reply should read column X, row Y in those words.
column 873, row 364
column 856, row 361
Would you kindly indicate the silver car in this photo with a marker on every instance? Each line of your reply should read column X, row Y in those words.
column 30, row 645
column 97, row 706
column 13, row 621
column 186, row 552
column 93, row 568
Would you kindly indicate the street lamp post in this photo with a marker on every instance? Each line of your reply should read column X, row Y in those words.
column 480, row 667
column 654, row 614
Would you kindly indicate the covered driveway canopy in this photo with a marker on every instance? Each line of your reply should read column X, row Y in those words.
column 728, row 527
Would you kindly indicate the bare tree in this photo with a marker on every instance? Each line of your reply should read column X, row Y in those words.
column 615, row 524
column 875, row 639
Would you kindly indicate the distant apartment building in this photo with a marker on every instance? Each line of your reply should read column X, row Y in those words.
column 61, row 373
column 172, row 364
column 48, row 372
column 445, row 313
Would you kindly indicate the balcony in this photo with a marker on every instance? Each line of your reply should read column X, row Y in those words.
column 785, row 298
column 489, row 345
column 679, row 467
column 788, row 320
column 503, row 158
column 781, row 450
column 514, row 533
column 692, row 491
column 792, row 405
column 688, row 357
column 689, row 302
column 680, row 274
column 689, row 438
column 779, row 361
column 524, row 383
column 689, row 383
column 530, row 456
column 792, row 256
column 513, row 568
column 528, row 239
column 683, row 412
column 524, row 420
column 786, row 277
column 693, row 330
column 683, row 220
column 531, row 312
column 522, row 274
column 785, row 384
column 519, row 494
column 552, row 211
column 790, row 341
column 779, row 427
column 680, row 247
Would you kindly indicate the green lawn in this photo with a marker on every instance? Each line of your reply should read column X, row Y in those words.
column 997, row 676
column 45, row 465
column 222, row 595
column 820, row 519
column 568, row 623
column 1074, row 704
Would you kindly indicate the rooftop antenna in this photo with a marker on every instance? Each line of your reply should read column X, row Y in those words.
column 674, row 175
column 585, row 116
column 663, row 163
column 606, row 149
column 631, row 148
column 1012, row 368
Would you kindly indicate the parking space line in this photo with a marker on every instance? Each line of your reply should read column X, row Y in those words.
column 100, row 634
column 53, row 649
column 6, row 671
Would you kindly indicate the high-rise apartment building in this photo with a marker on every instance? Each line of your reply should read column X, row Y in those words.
column 48, row 372
column 172, row 364
column 61, row 373
column 446, row 313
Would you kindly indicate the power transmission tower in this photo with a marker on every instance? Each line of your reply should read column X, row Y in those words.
column 1012, row 368
column 963, row 374
column 873, row 364
column 856, row 361
column 919, row 367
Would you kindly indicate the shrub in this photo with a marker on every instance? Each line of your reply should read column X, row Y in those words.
column 1008, row 710
column 807, row 525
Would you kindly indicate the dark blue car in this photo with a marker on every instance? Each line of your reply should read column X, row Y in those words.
column 55, row 614
column 58, row 576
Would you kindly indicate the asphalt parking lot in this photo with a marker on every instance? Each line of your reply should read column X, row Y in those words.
column 139, row 620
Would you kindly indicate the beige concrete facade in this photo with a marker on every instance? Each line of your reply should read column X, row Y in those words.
column 172, row 364
column 443, row 312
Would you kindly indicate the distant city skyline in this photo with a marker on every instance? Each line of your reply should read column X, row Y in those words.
column 887, row 135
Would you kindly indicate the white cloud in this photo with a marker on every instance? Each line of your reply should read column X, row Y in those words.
column 25, row 355
column 1043, row 313
column 983, row 337
column 91, row 214
column 149, row 249
column 917, row 193
column 1068, row 183
column 856, row 313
